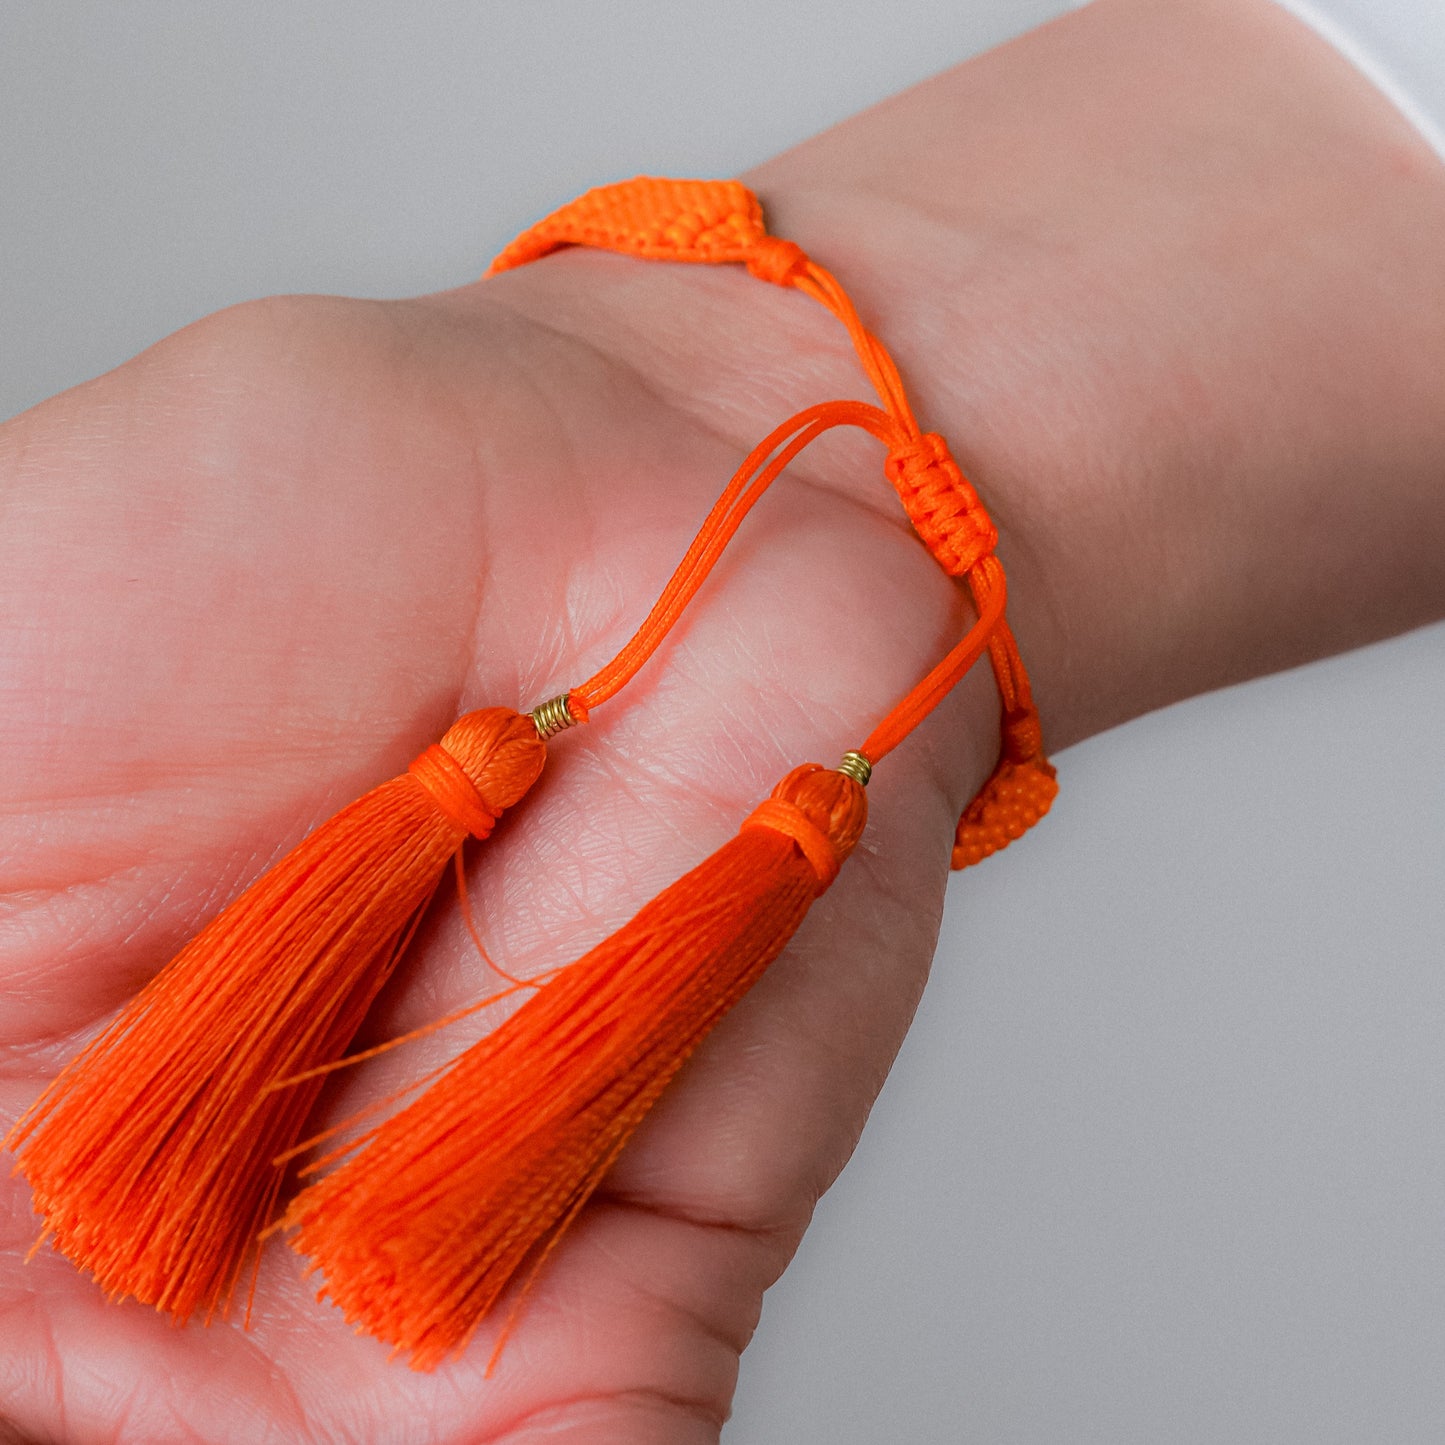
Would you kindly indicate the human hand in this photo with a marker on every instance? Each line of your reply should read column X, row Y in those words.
column 256, row 569
column 275, row 555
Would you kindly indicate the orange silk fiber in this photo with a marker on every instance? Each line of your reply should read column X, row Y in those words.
column 152, row 1156
column 472, row 1185
column 720, row 222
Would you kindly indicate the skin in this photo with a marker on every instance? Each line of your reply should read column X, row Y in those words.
column 259, row 567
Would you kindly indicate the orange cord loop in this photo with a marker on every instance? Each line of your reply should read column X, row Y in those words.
column 759, row 470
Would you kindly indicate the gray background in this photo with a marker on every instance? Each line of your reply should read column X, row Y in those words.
column 1162, row 1159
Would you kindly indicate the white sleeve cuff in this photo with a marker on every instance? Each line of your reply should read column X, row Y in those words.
column 1399, row 45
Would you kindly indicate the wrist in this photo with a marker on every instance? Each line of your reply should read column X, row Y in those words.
column 1169, row 311
column 1166, row 310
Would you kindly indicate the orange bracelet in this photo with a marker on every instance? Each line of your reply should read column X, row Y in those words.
column 721, row 222
column 156, row 1156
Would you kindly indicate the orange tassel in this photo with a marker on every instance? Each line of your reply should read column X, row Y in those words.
column 152, row 1156
column 474, row 1183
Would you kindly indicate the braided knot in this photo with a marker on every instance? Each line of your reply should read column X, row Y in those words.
column 775, row 260
column 943, row 507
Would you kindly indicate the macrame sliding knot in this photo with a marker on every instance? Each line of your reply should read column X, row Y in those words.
column 789, row 819
column 941, row 504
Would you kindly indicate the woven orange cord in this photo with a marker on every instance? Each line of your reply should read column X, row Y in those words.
column 718, row 222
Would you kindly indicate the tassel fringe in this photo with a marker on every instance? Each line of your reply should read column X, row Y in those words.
column 151, row 1157
column 473, row 1184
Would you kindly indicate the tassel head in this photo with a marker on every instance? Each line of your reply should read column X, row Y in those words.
column 484, row 764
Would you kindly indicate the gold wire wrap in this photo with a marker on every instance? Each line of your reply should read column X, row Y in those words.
column 857, row 767
column 552, row 717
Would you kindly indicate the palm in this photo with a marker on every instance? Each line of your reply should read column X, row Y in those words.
column 257, row 570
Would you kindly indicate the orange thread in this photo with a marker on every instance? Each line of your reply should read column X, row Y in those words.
column 453, row 792
column 792, row 822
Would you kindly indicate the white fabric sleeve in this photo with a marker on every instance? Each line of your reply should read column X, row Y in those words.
column 1397, row 44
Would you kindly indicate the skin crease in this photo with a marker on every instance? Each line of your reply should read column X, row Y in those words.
column 262, row 565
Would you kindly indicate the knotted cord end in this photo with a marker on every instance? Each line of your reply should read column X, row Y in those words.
column 1007, row 806
column 777, row 261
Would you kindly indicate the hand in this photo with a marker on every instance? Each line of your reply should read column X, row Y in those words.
column 274, row 556
column 261, row 566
